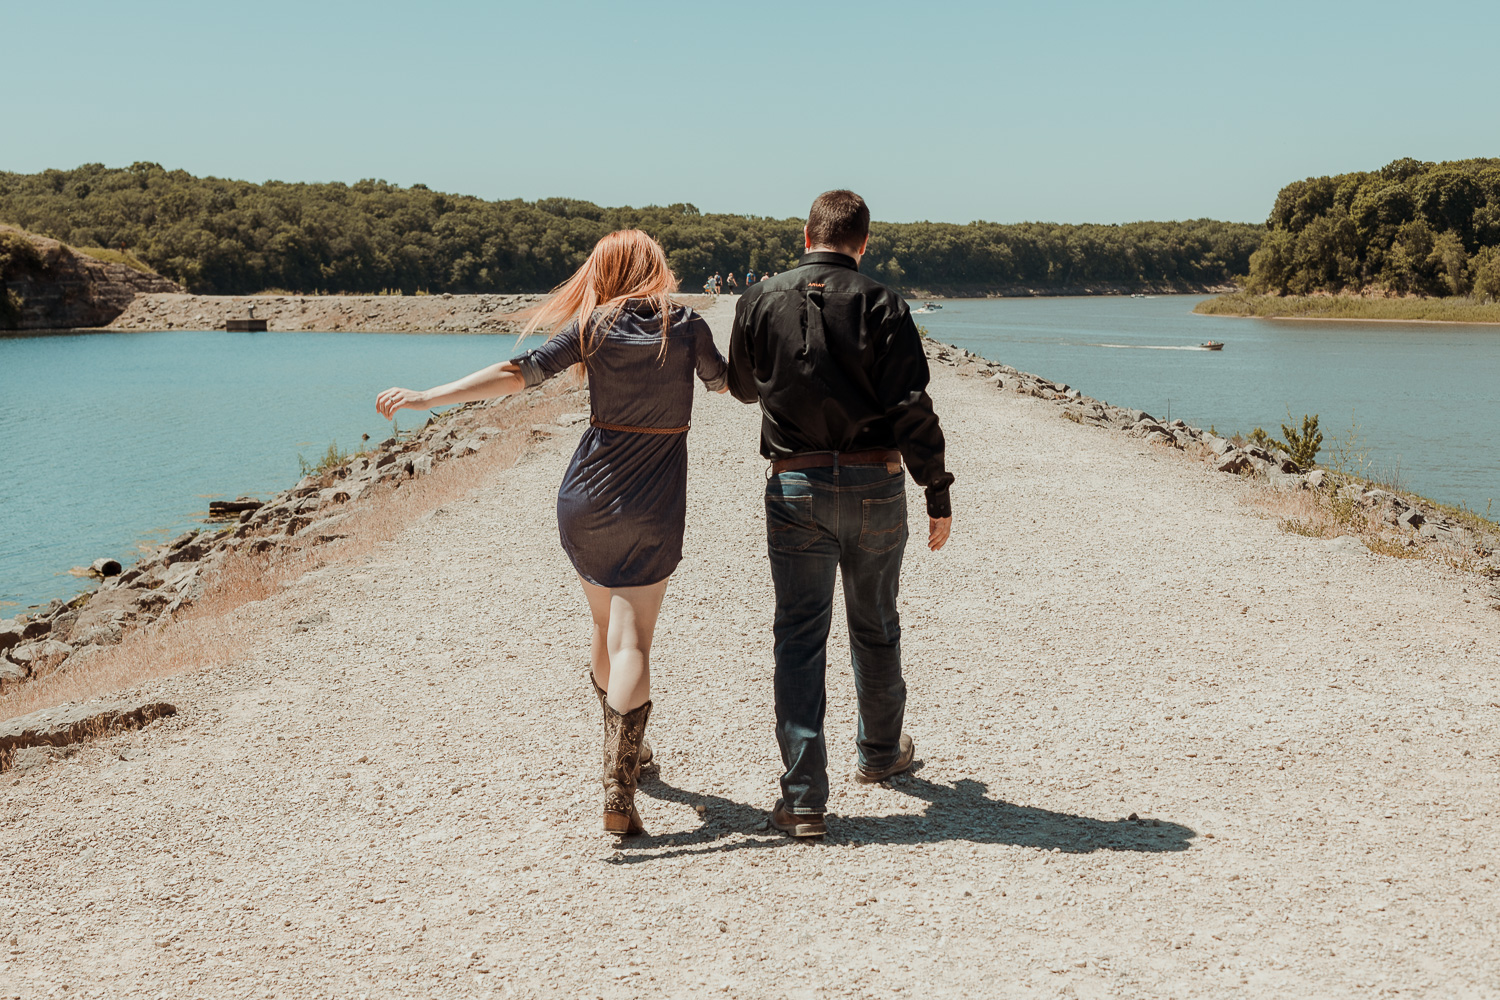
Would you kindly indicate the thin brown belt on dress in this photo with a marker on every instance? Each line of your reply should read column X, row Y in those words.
column 888, row 457
column 638, row 430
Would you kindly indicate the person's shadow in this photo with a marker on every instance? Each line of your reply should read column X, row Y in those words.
column 961, row 811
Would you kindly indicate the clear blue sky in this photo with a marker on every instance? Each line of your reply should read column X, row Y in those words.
column 1066, row 111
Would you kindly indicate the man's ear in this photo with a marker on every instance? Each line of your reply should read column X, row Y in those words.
column 806, row 240
column 865, row 245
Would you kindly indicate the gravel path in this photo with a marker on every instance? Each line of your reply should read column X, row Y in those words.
column 399, row 795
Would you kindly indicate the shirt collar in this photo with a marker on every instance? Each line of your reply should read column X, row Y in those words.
column 829, row 257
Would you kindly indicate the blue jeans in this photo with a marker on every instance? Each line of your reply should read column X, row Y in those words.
column 819, row 521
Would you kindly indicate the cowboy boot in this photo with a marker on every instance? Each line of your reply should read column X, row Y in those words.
column 648, row 757
column 622, row 768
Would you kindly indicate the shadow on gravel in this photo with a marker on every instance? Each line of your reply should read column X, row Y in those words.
column 959, row 812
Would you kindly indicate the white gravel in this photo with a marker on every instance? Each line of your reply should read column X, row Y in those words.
column 401, row 797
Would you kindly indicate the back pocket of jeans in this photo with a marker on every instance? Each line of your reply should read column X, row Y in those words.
column 884, row 524
column 790, row 526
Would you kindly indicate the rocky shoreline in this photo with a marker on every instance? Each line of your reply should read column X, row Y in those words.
column 1065, row 291
column 1398, row 521
column 444, row 313
column 174, row 575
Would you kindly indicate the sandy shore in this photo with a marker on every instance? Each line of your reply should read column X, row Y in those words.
column 395, row 792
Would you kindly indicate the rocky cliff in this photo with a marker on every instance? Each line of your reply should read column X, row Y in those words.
column 47, row 285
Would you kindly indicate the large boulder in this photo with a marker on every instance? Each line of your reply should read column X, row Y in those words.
column 74, row 724
column 1233, row 461
column 11, row 674
column 40, row 657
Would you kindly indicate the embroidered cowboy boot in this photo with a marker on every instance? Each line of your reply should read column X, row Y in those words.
column 622, row 768
column 648, row 757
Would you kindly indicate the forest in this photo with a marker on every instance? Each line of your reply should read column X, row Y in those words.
column 1409, row 228
column 217, row 236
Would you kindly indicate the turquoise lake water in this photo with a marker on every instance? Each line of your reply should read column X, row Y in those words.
column 113, row 440
column 1425, row 396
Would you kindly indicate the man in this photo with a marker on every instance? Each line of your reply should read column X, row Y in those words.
column 837, row 366
column 749, row 279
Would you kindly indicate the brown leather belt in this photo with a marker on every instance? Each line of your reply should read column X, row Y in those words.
column 888, row 457
column 639, row 430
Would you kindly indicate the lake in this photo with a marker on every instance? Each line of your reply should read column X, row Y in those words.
column 1422, row 397
column 115, row 440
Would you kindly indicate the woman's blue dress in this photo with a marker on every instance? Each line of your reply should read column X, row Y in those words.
column 622, row 505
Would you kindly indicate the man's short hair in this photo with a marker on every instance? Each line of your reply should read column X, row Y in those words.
column 838, row 219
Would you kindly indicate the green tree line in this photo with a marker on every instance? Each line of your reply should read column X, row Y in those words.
column 226, row 236
column 1410, row 227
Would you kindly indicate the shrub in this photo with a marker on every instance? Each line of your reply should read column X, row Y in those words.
column 1303, row 445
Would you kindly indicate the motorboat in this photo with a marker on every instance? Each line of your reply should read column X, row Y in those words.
column 928, row 307
column 1212, row 345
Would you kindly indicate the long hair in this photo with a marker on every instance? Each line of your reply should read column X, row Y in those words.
column 626, row 264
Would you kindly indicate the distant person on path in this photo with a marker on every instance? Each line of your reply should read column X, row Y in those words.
column 837, row 366
column 729, row 280
column 709, row 288
column 718, row 284
column 749, row 279
column 622, row 503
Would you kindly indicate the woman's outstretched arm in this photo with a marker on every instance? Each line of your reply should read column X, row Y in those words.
column 487, row 383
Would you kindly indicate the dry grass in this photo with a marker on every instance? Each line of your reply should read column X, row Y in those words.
column 221, row 627
column 109, row 256
column 1382, row 545
column 1316, row 514
column 1326, row 514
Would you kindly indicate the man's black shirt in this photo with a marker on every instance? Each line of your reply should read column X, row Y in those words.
column 837, row 364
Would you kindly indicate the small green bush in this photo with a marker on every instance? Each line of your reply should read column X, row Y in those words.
column 1303, row 445
column 332, row 459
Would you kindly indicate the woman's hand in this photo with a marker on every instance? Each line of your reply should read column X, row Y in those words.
column 394, row 399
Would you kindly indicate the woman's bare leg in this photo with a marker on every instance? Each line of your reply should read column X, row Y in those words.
column 599, row 633
column 625, row 621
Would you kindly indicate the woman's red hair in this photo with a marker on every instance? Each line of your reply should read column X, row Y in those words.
column 626, row 264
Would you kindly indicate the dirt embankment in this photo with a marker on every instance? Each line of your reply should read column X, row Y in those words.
column 47, row 285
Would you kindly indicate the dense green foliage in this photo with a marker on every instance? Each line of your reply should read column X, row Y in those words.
column 1408, row 228
column 226, row 236
column 17, row 254
column 1450, row 309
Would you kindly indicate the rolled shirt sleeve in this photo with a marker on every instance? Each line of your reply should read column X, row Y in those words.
column 713, row 370
column 556, row 355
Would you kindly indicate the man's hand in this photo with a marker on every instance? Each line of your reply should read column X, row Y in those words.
column 937, row 531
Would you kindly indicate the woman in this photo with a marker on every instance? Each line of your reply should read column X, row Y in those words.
column 623, row 501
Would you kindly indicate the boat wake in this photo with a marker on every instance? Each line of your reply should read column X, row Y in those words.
column 1155, row 347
